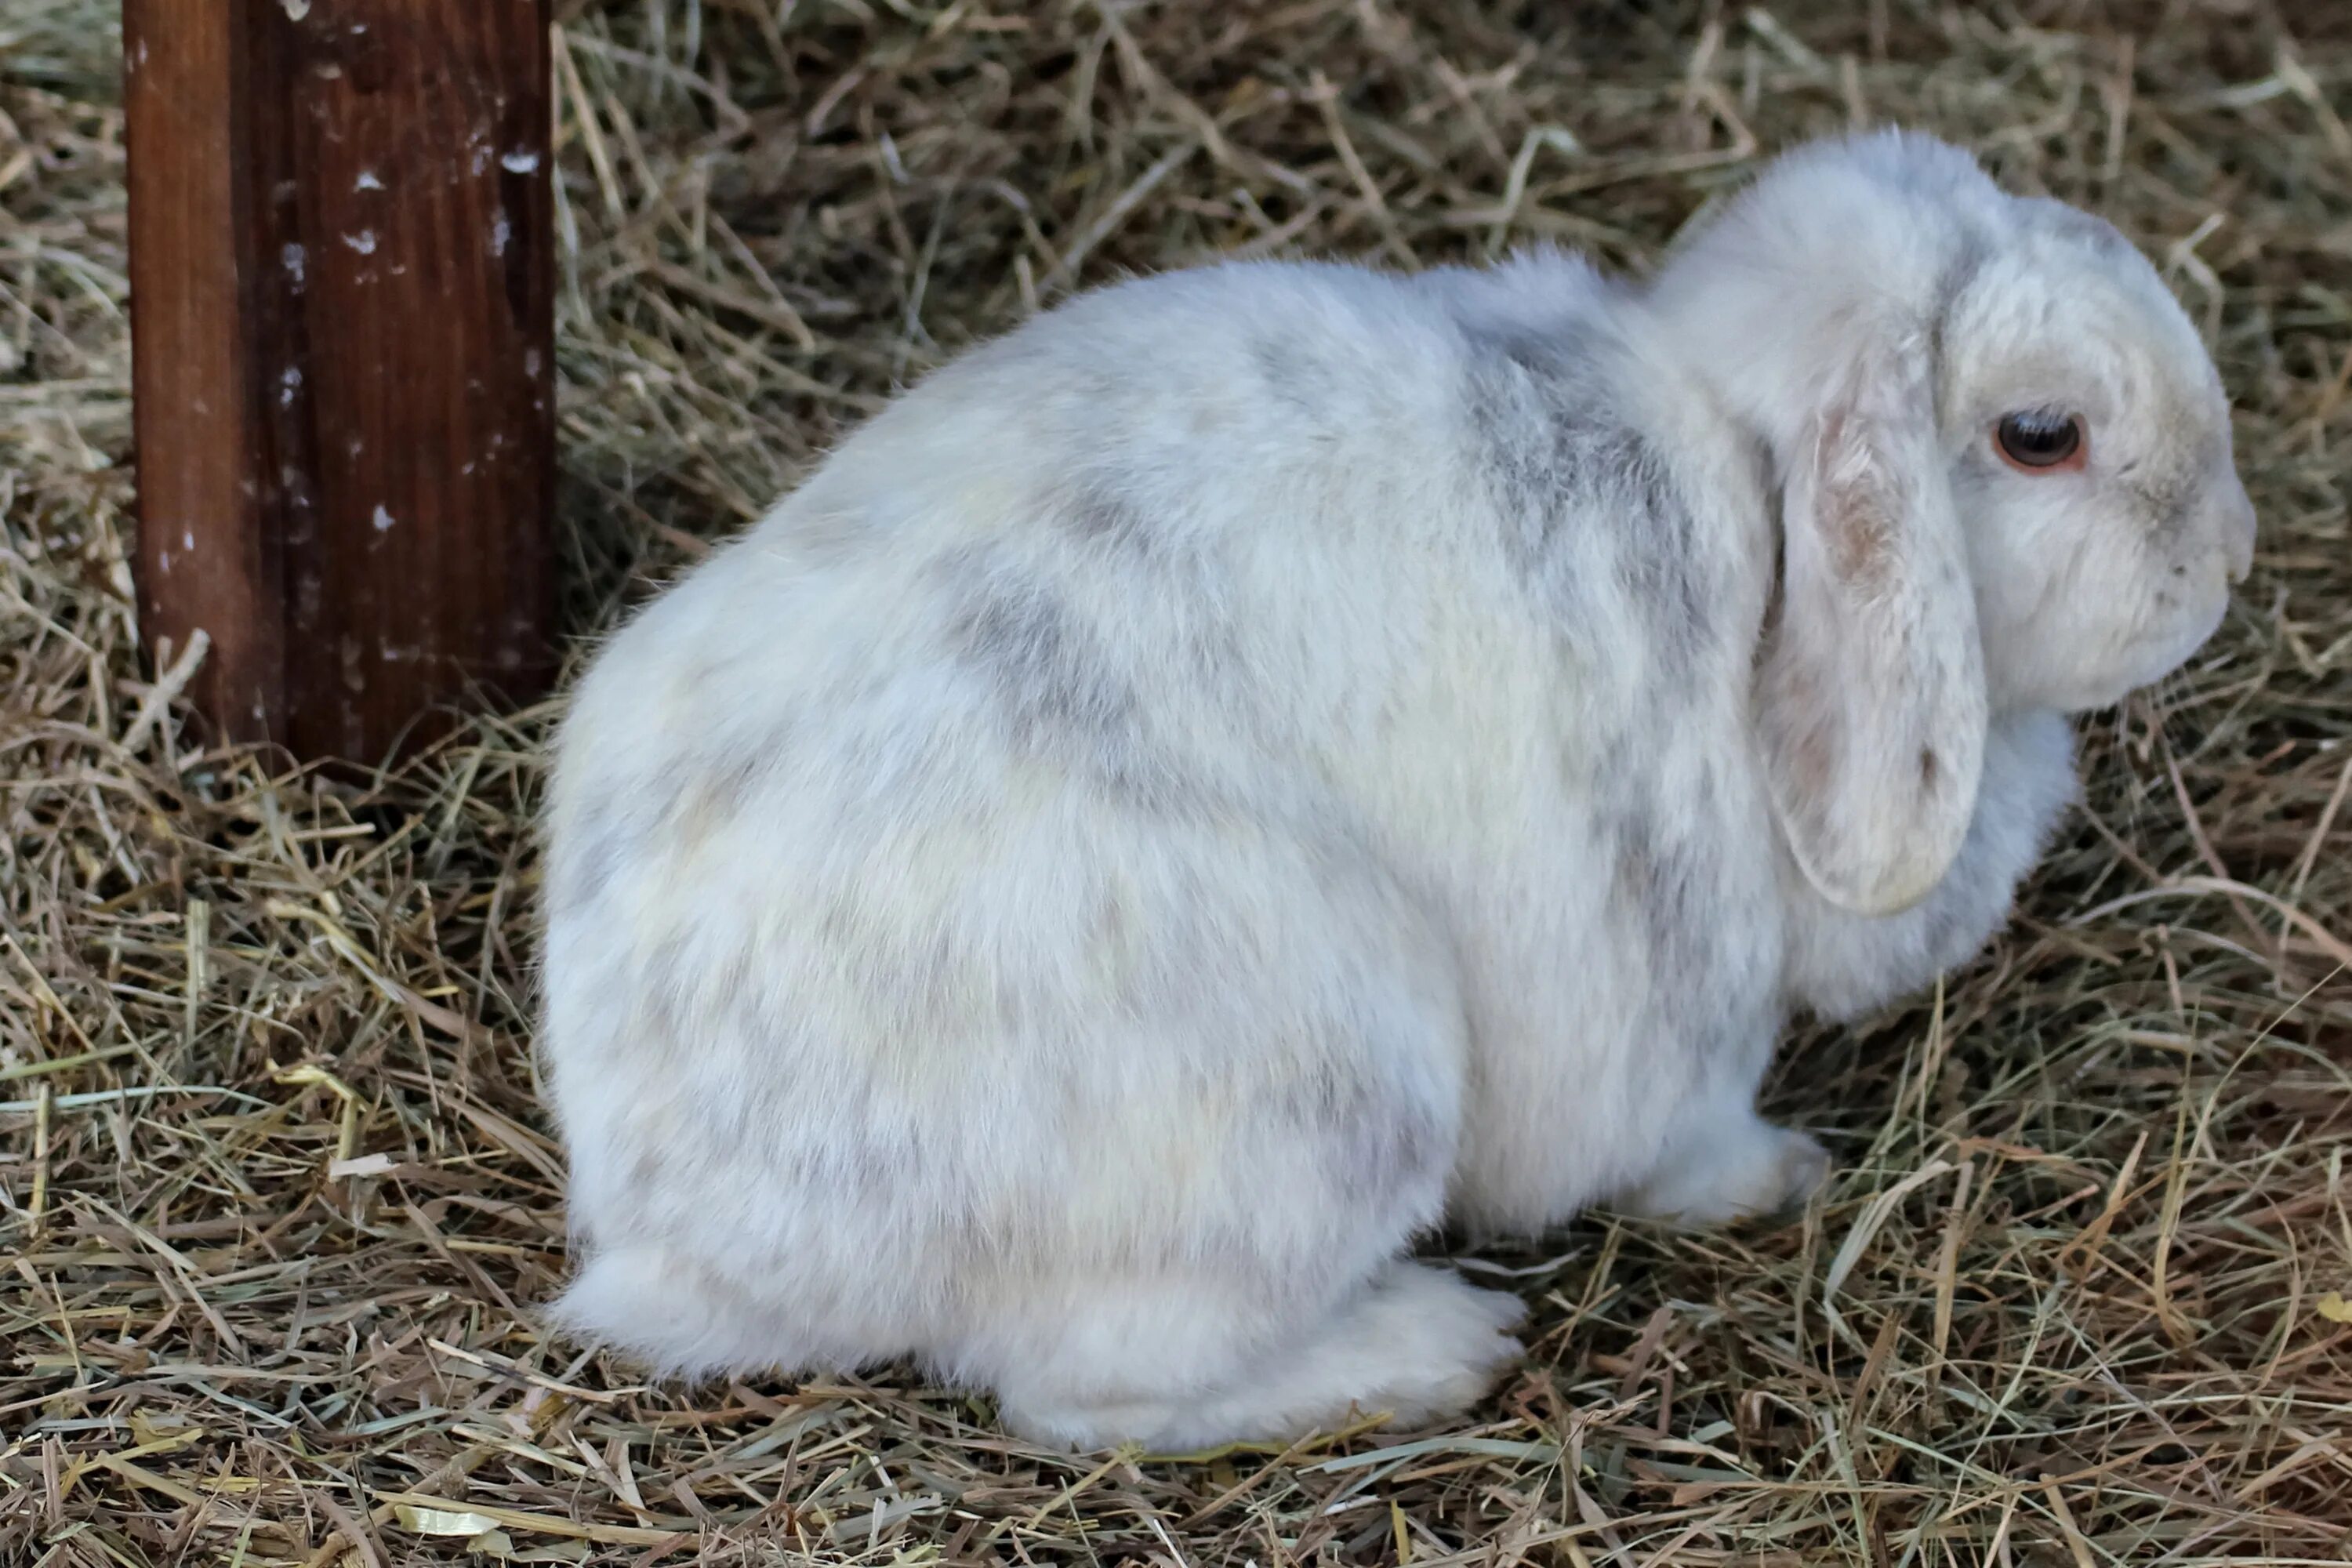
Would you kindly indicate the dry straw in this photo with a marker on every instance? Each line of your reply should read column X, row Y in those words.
column 278, row 1193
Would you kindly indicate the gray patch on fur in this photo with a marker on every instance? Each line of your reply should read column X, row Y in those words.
column 1021, row 637
column 1290, row 373
column 1670, row 582
column 873, row 1157
column 670, row 985
column 1382, row 1140
column 1097, row 514
column 1557, row 455
column 1050, row 679
column 591, row 857
column 1541, row 355
column 723, row 782
column 1661, row 878
column 1666, row 876
column 702, row 792
column 870, row 1153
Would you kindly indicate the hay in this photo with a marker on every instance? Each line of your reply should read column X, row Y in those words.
column 279, row 1192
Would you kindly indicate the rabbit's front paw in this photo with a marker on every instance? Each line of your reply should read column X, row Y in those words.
column 1731, row 1169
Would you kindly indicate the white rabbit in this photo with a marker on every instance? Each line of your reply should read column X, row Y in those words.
column 1263, row 759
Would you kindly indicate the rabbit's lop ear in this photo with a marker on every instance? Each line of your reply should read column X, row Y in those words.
column 1871, row 690
column 1833, row 275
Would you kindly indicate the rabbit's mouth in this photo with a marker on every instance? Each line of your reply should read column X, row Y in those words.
column 2151, row 661
column 2213, row 606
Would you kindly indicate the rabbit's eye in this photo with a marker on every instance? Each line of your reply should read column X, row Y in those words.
column 2040, row 440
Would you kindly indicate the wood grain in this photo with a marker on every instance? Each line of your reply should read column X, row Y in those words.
column 343, row 359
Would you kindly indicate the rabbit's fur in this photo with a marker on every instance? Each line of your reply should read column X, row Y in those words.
column 1265, row 758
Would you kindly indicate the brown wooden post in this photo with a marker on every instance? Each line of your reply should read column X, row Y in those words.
column 344, row 369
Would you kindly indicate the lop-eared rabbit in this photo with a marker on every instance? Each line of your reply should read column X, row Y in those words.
column 1263, row 760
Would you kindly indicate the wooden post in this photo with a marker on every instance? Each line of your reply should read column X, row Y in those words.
column 343, row 369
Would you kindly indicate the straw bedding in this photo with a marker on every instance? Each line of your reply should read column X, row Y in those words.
column 276, row 1196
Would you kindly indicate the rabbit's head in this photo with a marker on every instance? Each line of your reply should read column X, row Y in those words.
column 2003, row 463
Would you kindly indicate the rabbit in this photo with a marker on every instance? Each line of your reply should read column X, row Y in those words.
column 1267, row 759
